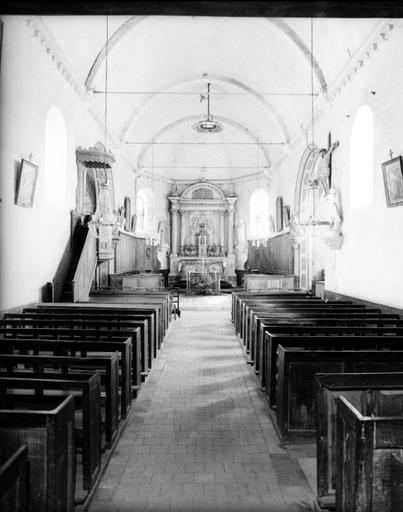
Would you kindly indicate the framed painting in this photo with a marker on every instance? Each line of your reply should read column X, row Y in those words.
column 393, row 181
column 26, row 184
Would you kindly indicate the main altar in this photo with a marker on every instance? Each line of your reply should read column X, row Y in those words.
column 202, row 232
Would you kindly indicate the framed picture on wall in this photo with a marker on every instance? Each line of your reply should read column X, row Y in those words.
column 26, row 184
column 393, row 181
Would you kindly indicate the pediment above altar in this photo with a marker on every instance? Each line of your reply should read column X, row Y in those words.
column 202, row 191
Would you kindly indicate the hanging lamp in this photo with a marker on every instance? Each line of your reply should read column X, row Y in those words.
column 208, row 125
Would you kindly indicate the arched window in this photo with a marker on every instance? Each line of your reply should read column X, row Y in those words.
column 362, row 165
column 259, row 223
column 145, row 211
column 55, row 159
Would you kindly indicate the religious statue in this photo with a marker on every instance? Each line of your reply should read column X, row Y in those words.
column 174, row 189
column 231, row 190
column 241, row 232
column 294, row 232
column 334, row 211
column 323, row 175
column 162, row 231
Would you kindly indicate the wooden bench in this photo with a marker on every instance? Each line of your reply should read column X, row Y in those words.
column 314, row 316
column 14, row 481
column 87, row 389
column 308, row 307
column 84, row 323
column 318, row 317
column 317, row 334
column 363, row 391
column 239, row 296
column 127, row 300
column 364, row 455
column 146, row 322
column 82, row 349
column 111, row 309
column 49, row 433
column 245, row 305
column 297, row 368
column 100, row 335
column 27, row 365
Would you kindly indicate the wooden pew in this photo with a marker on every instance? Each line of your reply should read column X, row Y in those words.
column 49, row 433
column 14, row 481
column 308, row 307
column 84, row 323
column 27, row 365
column 100, row 335
column 81, row 349
column 87, row 389
column 366, row 444
column 363, row 391
column 136, row 301
column 241, row 324
column 239, row 296
column 316, row 315
column 297, row 367
column 111, row 309
column 163, row 299
column 301, row 336
column 146, row 322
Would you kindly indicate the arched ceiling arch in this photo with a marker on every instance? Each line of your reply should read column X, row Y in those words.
column 132, row 22
column 191, row 119
column 220, row 78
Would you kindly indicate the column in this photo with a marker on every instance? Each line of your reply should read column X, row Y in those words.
column 183, row 228
column 222, row 232
column 174, row 237
column 231, row 230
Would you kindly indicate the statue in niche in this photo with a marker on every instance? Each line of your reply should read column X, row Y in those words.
column 323, row 175
column 294, row 230
column 334, row 211
column 241, row 232
column 174, row 189
column 163, row 234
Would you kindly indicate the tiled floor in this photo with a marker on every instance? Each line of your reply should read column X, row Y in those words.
column 200, row 438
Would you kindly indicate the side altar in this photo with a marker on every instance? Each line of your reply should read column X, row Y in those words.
column 202, row 232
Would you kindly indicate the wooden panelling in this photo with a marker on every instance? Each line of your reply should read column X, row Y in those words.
column 275, row 257
column 133, row 254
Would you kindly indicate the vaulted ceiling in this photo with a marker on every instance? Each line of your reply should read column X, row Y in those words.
column 156, row 70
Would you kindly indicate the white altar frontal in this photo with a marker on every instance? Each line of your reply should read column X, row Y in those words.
column 202, row 232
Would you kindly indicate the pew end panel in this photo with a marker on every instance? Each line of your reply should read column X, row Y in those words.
column 364, row 460
column 14, row 481
column 49, row 435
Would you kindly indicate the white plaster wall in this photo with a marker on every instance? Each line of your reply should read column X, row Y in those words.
column 33, row 239
column 369, row 264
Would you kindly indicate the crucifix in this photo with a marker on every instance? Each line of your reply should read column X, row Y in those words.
column 391, row 154
column 324, row 174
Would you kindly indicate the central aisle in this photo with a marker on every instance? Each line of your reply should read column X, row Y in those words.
column 200, row 437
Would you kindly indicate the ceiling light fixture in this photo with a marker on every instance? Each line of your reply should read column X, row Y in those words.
column 208, row 125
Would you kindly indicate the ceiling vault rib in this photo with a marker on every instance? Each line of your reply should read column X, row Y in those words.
column 187, row 119
column 236, row 83
column 134, row 20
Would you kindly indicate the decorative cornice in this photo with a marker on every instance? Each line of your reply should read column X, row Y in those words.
column 379, row 36
column 63, row 66
column 266, row 174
